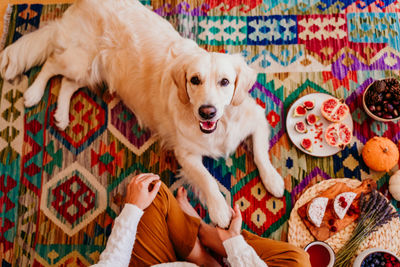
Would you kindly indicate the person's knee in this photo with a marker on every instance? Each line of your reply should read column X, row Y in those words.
column 300, row 258
column 161, row 200
column 163, row 188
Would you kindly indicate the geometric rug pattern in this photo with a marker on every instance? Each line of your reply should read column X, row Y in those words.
column 60, row 191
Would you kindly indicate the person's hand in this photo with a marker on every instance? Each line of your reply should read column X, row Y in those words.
column 234, row 227
column 139, row 193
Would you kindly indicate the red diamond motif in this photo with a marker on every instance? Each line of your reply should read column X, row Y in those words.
column 32, row 148
column 273, row 118
column 73, row 193
column 34, row 126
column 314, row 28
column 5, row 187
column 78, row 106
column 261, row 203
column 87, row 120
column 329, row 28
column 32, row 169
column 77, row 129
column 5, row 225
column 87, row 115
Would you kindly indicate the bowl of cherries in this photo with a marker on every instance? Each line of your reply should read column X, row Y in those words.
column 376, row 257
column 381, row 100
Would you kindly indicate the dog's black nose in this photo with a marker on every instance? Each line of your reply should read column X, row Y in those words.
column 207, row 111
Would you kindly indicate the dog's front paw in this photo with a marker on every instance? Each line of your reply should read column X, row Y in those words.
column 62, row 118
column 33, row 95
column 219, row 211
column 8, row 70
column 273, row 182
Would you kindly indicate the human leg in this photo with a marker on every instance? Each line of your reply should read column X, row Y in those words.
column 208, row 234
column 274, row 253
column 277, row 253
column 165, row 234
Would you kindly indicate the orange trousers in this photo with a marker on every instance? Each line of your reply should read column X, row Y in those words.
column 166, row 234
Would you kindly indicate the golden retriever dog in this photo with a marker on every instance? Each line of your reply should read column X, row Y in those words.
column 196, row 101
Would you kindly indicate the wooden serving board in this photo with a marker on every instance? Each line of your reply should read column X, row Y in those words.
column 322, row 233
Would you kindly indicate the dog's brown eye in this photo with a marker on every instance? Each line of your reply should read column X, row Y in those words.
column 224, row 82
column 195, row 80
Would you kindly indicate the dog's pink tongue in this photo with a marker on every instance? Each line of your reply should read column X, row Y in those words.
column 208, row 124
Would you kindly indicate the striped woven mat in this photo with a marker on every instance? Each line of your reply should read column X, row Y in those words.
column 60, row 191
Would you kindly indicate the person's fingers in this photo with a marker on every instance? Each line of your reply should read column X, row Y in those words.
column 237, row 211
column 235, row 214
column 132, row 182
column 143, row 176
column 155, row 189
column 232, row 211
column 184, row 193
column 180, row 192
column 134, row 178
column 149, row 178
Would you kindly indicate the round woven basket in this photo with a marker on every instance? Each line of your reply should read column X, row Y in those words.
column 386, row 237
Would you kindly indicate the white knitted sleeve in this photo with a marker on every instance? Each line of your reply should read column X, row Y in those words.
column 241, row 254
column 120, row 243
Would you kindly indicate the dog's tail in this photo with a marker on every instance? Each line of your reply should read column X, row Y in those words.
column 30, row 50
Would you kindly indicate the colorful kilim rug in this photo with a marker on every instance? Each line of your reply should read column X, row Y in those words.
column 61, row 191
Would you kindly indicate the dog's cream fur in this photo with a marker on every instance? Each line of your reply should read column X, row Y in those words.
column 145, row 61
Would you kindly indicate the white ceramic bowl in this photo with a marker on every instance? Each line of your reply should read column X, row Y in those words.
column 325, row 245
column 365, row 253
column 369, row 112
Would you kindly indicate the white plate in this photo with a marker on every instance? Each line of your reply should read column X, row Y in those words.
column 320, row 147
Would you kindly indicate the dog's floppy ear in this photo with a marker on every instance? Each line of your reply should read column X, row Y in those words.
column 245, row 78
column 178, row 72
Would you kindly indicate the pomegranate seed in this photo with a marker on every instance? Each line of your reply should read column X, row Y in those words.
column 342, row 198
column 331, row 221
column 350, row 212
column 343, row 204
column 333, row 228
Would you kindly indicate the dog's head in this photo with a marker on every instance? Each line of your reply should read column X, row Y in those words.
column 211, row 81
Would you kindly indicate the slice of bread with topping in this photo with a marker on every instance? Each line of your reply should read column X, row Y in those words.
column 316, row 210
column 342, row 203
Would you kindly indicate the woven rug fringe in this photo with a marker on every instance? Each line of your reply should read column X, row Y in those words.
column 6, row 23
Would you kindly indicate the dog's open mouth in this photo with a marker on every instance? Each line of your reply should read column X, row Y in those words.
column 208, row 126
